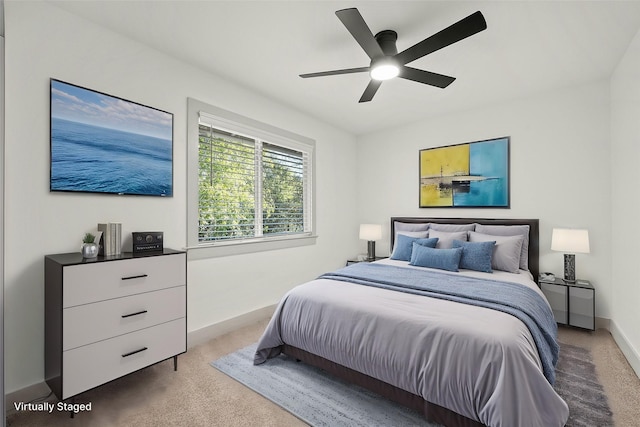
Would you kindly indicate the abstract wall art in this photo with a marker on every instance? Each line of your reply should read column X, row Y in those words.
column 470, row 175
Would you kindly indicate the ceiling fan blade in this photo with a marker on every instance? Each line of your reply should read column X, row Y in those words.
column 371, row 90
column 360, row 31
column 335, row 72
column 426, row 77
column 462, row 29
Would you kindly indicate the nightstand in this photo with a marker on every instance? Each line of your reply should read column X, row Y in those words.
column 355, row 261
column 573, row 304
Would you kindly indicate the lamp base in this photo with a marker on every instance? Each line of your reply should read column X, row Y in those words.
column 371, row 250
column 569, row 268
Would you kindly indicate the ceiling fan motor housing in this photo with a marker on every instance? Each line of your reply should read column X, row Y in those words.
column 387, row 41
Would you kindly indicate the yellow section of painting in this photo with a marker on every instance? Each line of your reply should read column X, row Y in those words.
column 445, row 161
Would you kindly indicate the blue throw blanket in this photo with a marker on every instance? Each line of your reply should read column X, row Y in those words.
column 511, row 298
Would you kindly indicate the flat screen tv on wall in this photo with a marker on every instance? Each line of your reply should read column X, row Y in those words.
column 104, row 144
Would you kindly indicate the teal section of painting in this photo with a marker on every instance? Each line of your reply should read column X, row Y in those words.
column 489, row 160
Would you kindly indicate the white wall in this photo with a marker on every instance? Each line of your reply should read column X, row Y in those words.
column 43, row 42
column 560, row 171
column 625, row 202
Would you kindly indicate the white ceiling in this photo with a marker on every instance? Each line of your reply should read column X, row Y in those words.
column 529, row 46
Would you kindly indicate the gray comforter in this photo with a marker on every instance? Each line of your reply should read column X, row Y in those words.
column 479, row 362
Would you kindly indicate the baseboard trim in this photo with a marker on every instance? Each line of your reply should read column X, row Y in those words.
column 632, row 355
column 210, row 332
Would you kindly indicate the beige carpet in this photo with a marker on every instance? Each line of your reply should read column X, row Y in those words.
column 199, row 395
column 620, row 382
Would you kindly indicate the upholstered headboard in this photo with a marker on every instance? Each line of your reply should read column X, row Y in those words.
column 534, row 227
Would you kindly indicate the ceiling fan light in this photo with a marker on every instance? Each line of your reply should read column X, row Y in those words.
column 384, row 71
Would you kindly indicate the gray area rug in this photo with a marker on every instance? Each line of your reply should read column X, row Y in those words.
column 577, row 383
column 317, row 398
column 333, row 402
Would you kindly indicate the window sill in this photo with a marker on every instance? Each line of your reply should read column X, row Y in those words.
column 222, row 249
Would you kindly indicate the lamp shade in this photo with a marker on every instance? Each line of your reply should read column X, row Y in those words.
column 570, row 240
column 370, row 232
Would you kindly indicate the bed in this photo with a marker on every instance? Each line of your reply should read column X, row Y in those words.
column 465, row 348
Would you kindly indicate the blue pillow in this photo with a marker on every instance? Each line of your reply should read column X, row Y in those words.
column 476, row 255
column 403, row 246
column 443, row 259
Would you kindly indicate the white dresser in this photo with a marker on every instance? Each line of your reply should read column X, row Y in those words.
column 110, row 316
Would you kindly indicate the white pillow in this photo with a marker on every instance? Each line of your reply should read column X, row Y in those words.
column 451, row 227
column 410, row 226
column 510, row 230
column 419, row 234
column 445, row 239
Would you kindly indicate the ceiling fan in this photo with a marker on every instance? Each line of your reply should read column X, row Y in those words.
column 387, row 63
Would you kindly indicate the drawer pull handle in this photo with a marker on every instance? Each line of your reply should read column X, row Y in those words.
column 124, row 316
column 134, row 352
column 135, row 277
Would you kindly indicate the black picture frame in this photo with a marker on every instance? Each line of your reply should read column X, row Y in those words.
column 468, row 175
column 100, row 143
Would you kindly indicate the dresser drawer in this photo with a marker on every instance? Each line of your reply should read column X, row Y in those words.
column 89, row 323
column 87, row 283
column 93, row 365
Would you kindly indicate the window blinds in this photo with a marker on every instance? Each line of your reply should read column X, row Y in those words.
column 226, row 185
column 283, row 190
column 249, row 188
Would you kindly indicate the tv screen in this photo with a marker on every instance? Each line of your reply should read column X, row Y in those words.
column 104, row 144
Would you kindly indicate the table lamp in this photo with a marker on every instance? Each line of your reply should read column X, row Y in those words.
column 570, row 241
column 371, row 233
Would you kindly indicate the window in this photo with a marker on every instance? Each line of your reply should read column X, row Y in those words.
column 248, row 187
column 253, row 186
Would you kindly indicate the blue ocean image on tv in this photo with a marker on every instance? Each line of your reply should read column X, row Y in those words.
column 94, row 159
column 104, row 144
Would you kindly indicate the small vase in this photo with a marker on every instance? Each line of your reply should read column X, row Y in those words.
column 89, row 250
